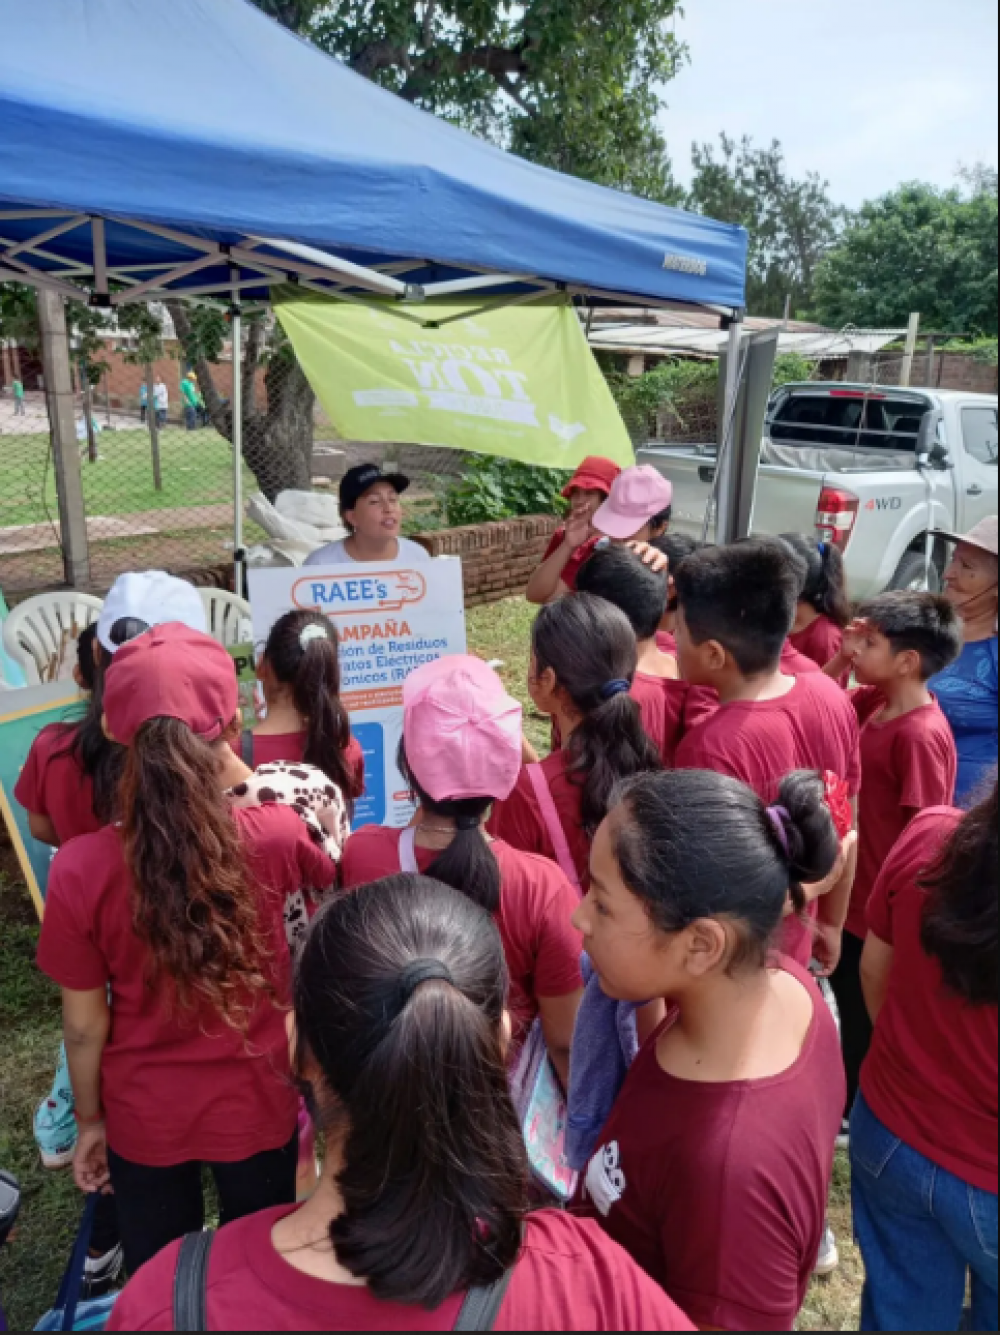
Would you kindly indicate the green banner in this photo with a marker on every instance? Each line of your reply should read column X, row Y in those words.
column 515, row 381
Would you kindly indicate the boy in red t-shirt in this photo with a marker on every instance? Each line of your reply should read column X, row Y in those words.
column 736, row 606
column 908, row 763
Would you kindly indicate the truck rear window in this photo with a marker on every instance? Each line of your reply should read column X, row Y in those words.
column 846, row 423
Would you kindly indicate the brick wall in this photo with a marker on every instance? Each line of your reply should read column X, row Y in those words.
column 497, row 559
column 954, row 370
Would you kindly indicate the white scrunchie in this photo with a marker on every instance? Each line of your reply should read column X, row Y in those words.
column 311, row 634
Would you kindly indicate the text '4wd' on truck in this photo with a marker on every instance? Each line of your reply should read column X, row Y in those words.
column 875, row 471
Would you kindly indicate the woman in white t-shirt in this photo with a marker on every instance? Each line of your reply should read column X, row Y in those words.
column 370, row 508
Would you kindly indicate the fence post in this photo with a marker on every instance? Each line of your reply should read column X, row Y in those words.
column 912, row 333
column 152, row 421
column 65, row 454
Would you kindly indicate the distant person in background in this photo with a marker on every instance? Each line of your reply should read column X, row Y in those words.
column 18, row 391
column 924, row 1132
column 967, row 691
column 587, row 490
column 823, row 611
column 143, row 402
column 161, row 402
column 193, row 402
column 372, row 512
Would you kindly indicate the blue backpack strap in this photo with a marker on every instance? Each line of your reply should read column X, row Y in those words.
column 72, row 1281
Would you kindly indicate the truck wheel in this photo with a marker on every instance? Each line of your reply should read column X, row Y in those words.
column 912, row 575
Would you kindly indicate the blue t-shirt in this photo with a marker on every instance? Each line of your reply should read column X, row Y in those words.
column 967, row 692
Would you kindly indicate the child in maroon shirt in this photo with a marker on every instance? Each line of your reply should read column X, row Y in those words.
column 618, row 576
column 737, row 605
column 714, row 1167
column 908, row 763
column 399, row 1017
column 823, row 610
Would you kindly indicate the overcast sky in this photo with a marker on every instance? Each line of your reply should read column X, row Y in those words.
column 867, row 92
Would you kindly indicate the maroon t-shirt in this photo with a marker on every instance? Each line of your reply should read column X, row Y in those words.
column 52, row 784
column 796, row 664
column 518, row 820
column 177, row 1089
column 291, row 747
column 720, row 1191
column 537, row 904
column 663, row 704
column 931, row 1075
column 820, row 643
column 813, row 727
column 907, row 765
column 579, row 557
column 569, row 1276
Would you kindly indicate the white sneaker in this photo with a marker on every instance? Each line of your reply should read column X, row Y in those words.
column 844, row 1139
column 102, row 1274
column 829, row 1256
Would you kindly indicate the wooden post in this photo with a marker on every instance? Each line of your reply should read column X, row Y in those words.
column 912, row 334
column 65, row 454
column 154, row 426
column 88, row 414
column 931, row 347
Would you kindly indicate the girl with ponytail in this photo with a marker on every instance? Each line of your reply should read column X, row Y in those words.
column 584, row 662
column 715, row 1165
column 306, row 719
column 399, row 1044
column 171, row 923
column 461, row 752
column 823, row 611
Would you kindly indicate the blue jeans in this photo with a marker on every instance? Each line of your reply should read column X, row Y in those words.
column 921, row 1231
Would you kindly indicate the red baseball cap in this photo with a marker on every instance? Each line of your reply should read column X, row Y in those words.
column 594, row 474
column 171, row 672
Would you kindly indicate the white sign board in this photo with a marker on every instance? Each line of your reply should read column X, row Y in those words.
column 390, row 620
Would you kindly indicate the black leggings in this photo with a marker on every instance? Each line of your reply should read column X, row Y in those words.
column 855, row 1023
column 157, row 1206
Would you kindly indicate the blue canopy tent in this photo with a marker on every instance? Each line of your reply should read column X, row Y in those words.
column 197, row 149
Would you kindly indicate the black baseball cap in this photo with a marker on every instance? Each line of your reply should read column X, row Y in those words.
column 356, row 481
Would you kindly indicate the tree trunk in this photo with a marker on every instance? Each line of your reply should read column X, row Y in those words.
column 277, row 443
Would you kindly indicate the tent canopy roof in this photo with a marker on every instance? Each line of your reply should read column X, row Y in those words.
column 207, row 122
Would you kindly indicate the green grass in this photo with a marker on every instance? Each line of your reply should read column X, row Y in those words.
column 29, row 1039
column 196, row 470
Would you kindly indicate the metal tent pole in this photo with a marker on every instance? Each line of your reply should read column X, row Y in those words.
column 239, row 555
column 728, row 480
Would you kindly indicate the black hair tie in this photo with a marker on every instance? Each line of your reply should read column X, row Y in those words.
column 464, row 823
column 415, row 975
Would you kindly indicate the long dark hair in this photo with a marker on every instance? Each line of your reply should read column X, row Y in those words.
column 960, row 923
column 193, row 902
column 826, row 578
column 310, row 667
column 692, row 844
column 589, row 645
column 101, row 760
column 399, row 999
column 468, row 863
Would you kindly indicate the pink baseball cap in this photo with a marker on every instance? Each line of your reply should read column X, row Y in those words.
column 462, row 730
column 637, row 496
column 171, row 672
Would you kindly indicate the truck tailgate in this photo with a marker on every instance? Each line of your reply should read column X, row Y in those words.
column 787, row 501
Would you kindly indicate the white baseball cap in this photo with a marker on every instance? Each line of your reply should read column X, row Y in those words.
column 153, row 598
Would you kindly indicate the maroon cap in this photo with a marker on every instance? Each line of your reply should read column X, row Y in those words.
column 594, row 474
column 171, row 672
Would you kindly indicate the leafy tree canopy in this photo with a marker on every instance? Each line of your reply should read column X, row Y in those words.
column 792, row 222
column 917, row 249
column 570, row 84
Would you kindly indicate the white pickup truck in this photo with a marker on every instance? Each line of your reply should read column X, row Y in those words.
column 873, row 470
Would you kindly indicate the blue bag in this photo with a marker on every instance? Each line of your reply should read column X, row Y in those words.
column 69, row 1312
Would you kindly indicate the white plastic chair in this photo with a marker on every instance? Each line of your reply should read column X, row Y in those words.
column 40, row 634
column 230, row 620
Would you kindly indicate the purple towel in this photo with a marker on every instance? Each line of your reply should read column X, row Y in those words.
column 605, row 1044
